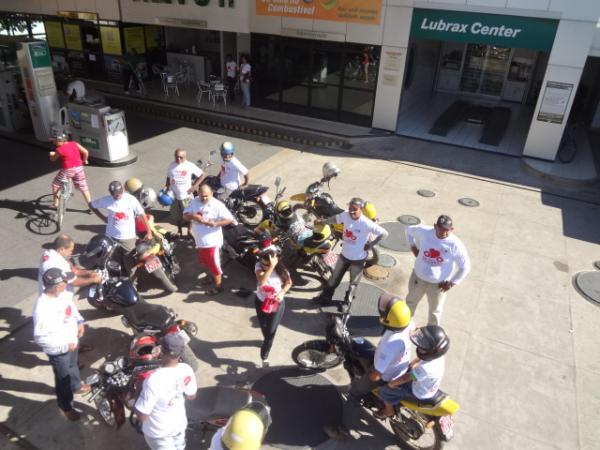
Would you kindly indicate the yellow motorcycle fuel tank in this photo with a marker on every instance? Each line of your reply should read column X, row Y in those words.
column 299, row 197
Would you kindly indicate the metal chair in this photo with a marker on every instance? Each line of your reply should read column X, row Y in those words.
column 203, row 88
column 219, row 91
column 172, row 81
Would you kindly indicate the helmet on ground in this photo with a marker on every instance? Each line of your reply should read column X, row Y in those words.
column 246, row 429
column 321, row 232
column 431, row 341
column 284, row 210
column 147, row 197
column 369, row 210
column 330, row 170
column 99, row 247
column 165, row 198
column 394, row 313
column 144, row 349
column 227, row 149
column 133, row 185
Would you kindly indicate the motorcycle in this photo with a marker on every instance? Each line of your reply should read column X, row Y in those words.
column 157, row 257
column 421, row 425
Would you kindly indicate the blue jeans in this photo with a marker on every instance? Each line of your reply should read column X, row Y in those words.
column 395, row 396
column 175, row 442
column 246, row 93
column 66, row 378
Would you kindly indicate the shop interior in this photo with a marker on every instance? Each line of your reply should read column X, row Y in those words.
column 472, row 95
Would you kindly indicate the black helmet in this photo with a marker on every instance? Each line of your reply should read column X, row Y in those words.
column 99, row 247
column 431, row 341
column 123, row 292
column 115, row 187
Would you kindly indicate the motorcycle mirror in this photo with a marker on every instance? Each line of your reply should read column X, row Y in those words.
column 277, row 181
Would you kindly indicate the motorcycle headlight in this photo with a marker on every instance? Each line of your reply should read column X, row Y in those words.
column 92, row 379
column 120, row 362
column 109, row 368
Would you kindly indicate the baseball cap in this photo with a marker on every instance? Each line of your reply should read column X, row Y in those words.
column 444, row 221
column 115, row 187
column 54, row 276
column 172, row 345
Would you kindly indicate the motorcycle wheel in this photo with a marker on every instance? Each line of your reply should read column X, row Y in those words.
column 250, row 213
column 165, row 280
column 190, row 359
column 411, row 437
column 309, row 217
column 313, row 355
column 103, row 407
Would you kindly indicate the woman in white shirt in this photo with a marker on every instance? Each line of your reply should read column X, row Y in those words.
column 273, row 281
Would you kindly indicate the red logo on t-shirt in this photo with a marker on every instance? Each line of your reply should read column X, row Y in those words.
column 120, row 216
column 434, row 254
column 187, row 380
column 68, row 313
column 45, row 258
column 348, row 234
column 183, row 173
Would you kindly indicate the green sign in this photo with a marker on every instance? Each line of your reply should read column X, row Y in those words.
column 40, row 55
column 90, row 142
column 490, row 29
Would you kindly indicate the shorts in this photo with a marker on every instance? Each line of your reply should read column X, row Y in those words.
column 210, row 258
column 177, row 208
column 74, row 173
column 395, row 396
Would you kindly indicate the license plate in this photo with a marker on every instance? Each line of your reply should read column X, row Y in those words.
column 447, row 426
column 153, row 264
column 92, row 292
column 330, row 259
column 184, row 336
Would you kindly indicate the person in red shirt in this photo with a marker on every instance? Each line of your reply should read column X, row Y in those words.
column 72, row 156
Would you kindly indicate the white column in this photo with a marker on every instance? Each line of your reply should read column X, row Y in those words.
column 567, row 59
column 389, row 87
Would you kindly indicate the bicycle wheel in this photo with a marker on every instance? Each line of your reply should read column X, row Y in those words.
column 62, row 207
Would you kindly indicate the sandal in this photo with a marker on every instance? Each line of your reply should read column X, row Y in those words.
column 381, row 415
column 214, row 290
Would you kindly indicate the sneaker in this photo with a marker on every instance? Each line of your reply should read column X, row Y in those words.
column 72, row 415
column 265, row 363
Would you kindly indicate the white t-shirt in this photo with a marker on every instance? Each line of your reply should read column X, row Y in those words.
column 245, row 69
column 231, row 68
column 393, row 353
column 162, row 398
column 215, row 442
column 428, row 376
column 55, row 323
column 52, row 259
column 356, row 234
column 438, row 258
column 272, row 287
column 180, row 176
column 214, row 210
column 232, row 172
column 121, row 215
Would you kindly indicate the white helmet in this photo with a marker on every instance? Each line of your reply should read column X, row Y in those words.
column 330, row 170
column 147, row 197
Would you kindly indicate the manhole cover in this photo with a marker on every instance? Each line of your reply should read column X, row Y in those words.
column 588, row 284
column 597, row 265
column 470, row 202
column 386, row 260
column 301, row 404
column 409, row 220
column 426, row 193
column 376, row 272
column 397, row 237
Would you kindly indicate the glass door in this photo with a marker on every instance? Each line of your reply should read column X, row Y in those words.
column 485, row 69
column 296, row 75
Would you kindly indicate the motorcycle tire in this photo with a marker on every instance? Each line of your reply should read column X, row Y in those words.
column 103, row 408
column 309, row 217
column 165, row 280
column 313, row 355
column 190, row 358
column 431, row 439
column 250, row 213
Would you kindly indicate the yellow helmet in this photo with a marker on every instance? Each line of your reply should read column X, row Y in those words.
column 246, row 428
column 394, row 313
column 321, row 232
column 369, row 210
column 133, row 185
column 284, row 209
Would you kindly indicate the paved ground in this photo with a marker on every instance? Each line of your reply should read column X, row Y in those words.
column 524, row 363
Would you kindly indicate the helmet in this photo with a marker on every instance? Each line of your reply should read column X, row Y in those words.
column 147, row 197
column 165, row 198
column 58, row 134
column 115, row 187
column 133, row 185
column 123, row 292
column 144, row 349
column 284, row 210
column 227, row 149
column 100, row 247
column 330, row 170
column 369, row 210
column 431, row 341
column 321, row 232
column 394, row 313
column 246, row 429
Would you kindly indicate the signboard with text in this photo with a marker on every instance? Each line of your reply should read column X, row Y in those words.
column 111, row 40
column 72, row 36
column 357, row 11
column 134, row 38
column 54, row 34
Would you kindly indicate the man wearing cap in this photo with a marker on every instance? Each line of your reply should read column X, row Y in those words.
column 160, row 406
column 57, row 327
column 122, row 209
column 359, row 236
column 441, row 262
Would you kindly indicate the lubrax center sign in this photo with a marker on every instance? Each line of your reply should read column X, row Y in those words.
column 490, row 29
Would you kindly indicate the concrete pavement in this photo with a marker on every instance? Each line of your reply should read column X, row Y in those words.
column 524, row 363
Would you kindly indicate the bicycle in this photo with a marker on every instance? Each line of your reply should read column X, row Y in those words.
column 65, row 192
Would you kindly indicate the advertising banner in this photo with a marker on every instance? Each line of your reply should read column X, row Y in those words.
column 357, row 11
column 72, row 36
column 134, row 38
column 54, row 34
column 111, row 40
column 152, row 35
column 555, row 102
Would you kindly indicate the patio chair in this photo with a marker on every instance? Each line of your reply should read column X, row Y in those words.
column 203, row 88
column 172, row 81
column 219, row 91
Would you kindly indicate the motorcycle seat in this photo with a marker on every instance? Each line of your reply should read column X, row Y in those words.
column 216, row 402
column 438, row 397
column 144, row 315
column 250, row 191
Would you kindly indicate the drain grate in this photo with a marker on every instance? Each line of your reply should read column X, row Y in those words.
column 470, row 202
column 407, row 219
column 426, row 193
column 588, row 284
column 386, row 260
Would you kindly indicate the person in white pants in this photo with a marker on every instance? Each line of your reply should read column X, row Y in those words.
column 441, row 262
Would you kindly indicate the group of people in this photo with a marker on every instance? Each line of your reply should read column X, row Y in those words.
column 241, row 74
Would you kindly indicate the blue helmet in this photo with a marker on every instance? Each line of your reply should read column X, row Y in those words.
column 165, row 198
column 227, row 149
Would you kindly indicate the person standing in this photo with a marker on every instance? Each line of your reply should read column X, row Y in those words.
column 160, row 406
column 359, row 236
column 208, row 215
column 441, row 263
column 72, row 157
column 179, row 180
column 57, row 327
column 130, row 61
column 122, row 209
column 231, row 71
column 245, row 80
column 273, row 282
